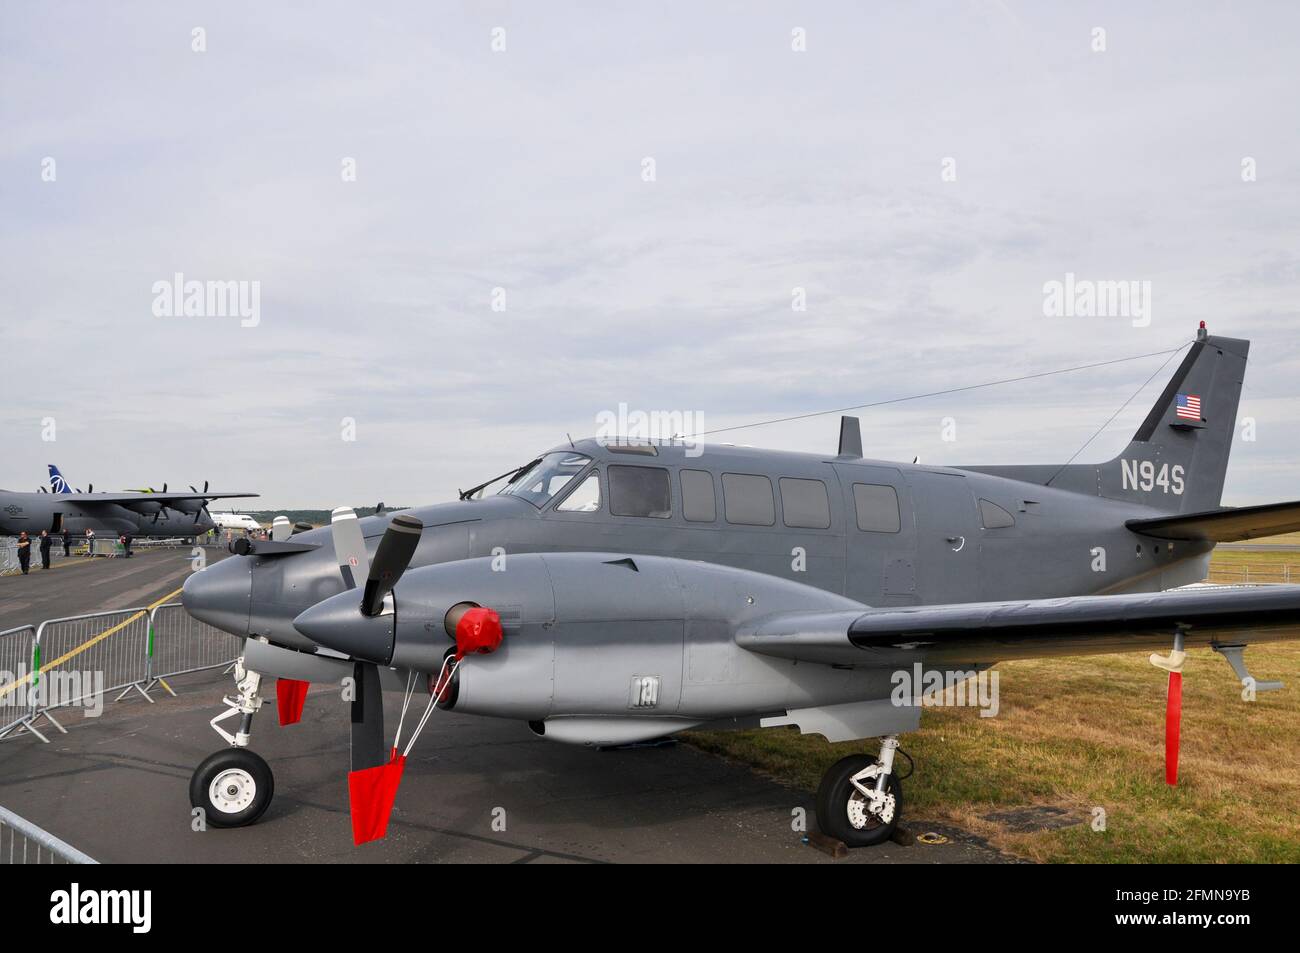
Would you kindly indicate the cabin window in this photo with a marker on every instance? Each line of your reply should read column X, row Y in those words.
column 747, row 499
column 804, row 504
column 877, row 507
column 698, row 502
column 584, row 499
column 993, row 516
column 640, row 491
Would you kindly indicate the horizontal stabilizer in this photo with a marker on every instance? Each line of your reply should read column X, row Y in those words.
column 1227, row 524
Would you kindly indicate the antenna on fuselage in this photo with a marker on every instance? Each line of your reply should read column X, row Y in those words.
column 850, row 437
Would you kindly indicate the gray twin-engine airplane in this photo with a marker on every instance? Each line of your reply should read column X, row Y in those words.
column 611, row 593
column 145, row 513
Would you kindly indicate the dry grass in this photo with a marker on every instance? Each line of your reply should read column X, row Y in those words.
column 1088, row 732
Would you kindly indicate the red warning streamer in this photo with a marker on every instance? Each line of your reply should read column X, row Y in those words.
column 1173, row 725
column 371, row 793
column 290, row 696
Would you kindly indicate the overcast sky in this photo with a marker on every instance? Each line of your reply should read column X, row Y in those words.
column 524, row 169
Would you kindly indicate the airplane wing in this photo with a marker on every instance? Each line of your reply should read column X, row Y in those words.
column 1227, row 524
column 126, row 499
column 988, row 632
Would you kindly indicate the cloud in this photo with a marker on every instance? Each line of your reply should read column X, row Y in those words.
column 522, row 170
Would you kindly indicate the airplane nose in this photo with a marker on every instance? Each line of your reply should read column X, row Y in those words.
column 221, row 594
column 338, row 624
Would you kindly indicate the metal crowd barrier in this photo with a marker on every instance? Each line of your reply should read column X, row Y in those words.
column 22, row 842
column 64, row 662
column 180, row 644
column 16, row 647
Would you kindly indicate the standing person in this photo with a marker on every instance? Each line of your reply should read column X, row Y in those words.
column 67, row 541
column 46, row 540
column 126, row 543
column 24, row 551
column 90, row 541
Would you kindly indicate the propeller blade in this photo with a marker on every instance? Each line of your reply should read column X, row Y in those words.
column 205, row 486
column 90, row 488
column 375, row 774
column 349, row 546
column 391, row 559
column 1173, row 724
column 367, row 714
column 280, row 528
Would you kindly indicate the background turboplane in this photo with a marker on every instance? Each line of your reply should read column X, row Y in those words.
column 138, row 512
column 613, row 593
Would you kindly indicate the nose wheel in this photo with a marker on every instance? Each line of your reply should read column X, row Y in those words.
column 234, row 786
column 860, row 799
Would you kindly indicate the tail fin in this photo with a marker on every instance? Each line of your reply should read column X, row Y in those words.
column 57, row 483
column 1178, row 458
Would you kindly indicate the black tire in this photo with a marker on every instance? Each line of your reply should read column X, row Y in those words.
column 833, row 796
column 234, row 787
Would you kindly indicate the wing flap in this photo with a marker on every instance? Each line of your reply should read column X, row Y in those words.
column 1227, row 524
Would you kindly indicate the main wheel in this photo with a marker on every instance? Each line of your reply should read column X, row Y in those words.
column 843, row 812
column 234, row 787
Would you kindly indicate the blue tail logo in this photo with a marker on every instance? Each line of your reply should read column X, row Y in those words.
column 57, row 483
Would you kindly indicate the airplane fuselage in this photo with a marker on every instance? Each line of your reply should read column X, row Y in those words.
column 33, row 512
column 883, row 534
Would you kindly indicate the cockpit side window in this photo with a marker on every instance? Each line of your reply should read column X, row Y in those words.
column 540, row 483
column 585, row 497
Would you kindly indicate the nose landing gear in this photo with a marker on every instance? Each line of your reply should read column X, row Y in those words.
column 860, row 798
column 234, row 786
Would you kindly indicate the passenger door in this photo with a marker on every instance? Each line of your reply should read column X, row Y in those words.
column 948, row 537
column 881, row 557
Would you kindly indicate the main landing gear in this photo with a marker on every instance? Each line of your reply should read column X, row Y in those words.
column 860, row 798
column 234, row 786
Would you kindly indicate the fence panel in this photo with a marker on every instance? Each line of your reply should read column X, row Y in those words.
column 22, row 842
column 83, row 655
column 16, row 649
column 182, row 644
column 1260, row 574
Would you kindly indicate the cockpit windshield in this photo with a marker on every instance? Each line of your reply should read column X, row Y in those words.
column 546, row 477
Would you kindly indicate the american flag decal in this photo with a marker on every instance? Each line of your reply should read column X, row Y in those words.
column 1189, row 406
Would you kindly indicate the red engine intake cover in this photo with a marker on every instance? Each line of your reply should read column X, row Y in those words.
column 478, row 631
